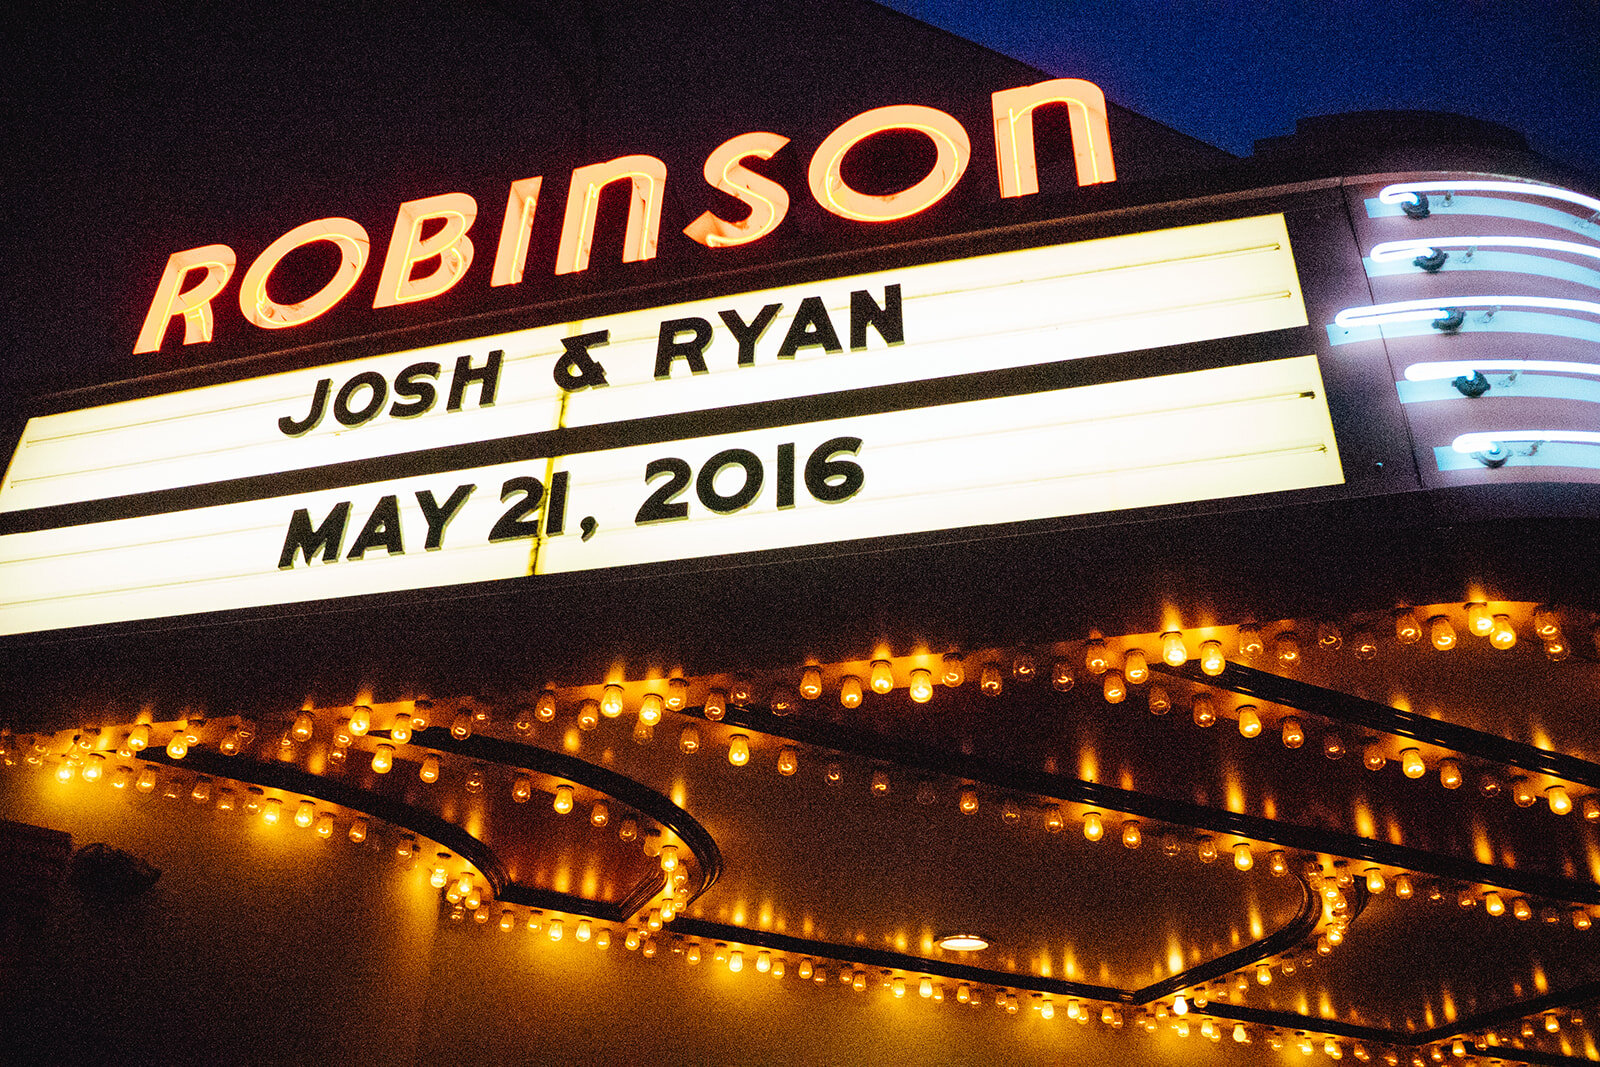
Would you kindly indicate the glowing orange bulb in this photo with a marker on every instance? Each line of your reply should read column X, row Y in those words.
column 1212, row 660
column 788, row 760
column 952, row 671
column 990, row 681
column 1114, row 688
column 850, row 691
column 1132, row 836
column 739, row 750
column 304, row 813
column 921, row 687
column 1441, row 633
column 1173, row 652
column 1249, row 722
column 521, row 789
column 563, row 800
column 1243, row 859
column 881, row 676
column 1094, row 827
column 611, row 701
column 650, row 709
column 1407, row 630
column 1503, row 635
column 1294, row 735
column 968, row 802
column 383, row 759
column 303, row 726
column 716, row 705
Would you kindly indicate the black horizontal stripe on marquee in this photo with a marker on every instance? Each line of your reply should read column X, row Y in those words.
column 677, row 426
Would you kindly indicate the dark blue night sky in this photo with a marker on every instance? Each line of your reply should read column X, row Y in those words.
column 1231, row 72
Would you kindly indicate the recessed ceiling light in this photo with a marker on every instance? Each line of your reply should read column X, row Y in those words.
column 963, row 942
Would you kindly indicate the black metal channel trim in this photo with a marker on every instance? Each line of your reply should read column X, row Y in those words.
column 1342, row 707
column 292, row 779
column 883, row 958
column 1510, row 1013
column 1279, row 941
column 660, row 429
column 870, row 746
column 1285, row 1020
column 640, row 797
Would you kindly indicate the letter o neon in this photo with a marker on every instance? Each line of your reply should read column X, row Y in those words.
column 353, row 247
column 949, row 140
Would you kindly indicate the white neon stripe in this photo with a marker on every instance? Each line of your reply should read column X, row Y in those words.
column 1392, row 250
column 1425, row 310
column 1405, row 192
column 1428, row 372
column 1469, row 443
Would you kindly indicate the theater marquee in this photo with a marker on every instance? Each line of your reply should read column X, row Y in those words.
column 965, row 393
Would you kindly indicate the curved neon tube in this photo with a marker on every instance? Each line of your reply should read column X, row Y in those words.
column 1392, row 250
column 1427, row 310
column 1469, row 443
column 1434, row 371
column 1406, row 192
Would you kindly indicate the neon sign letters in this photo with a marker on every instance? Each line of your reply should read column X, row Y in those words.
column 417, row 267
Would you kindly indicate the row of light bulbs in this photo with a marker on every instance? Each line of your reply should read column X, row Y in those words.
column 1184, row 1014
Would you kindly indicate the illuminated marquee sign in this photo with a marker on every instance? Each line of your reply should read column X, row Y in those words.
column 955, row 394
column 417, row 268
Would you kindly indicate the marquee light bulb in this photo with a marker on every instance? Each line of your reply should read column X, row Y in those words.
column 1546, row 623
column 611, row 701
column 1559, row 799
column 1243, row 859
column 1479, row 621
column 1160, row 700
column 952, row 671
column 1521, row 909
column 1114, row 687
column 325, row 826
column 1411, row 763
column 850, row 691
column 1502, row 635
column 584, row 930
column 400, row 729
column 1173, row 652
column 1493, row 904
column 556, row 929
column 304, row 813
column 990, row 682
column 383, row 759
column 1287, row 648
column 788, row 760
column 1206, row 849
column 1591, row 808
column 921, row 686
column 1212, row 660
column 650, row 709
column 429, row 771
column 1556, row 649
column 716, row 705
column 1441, row 633
column 588, row 714
column 1407, row 630
column 689, row 740
column 358, row 830
column 521, row 789
column 736, row 961
column 461, row 726
column 1294, row 735
column 139, row 737
column 1061, row 676
column 271, row 810
column 1249, row 722
column 178, row 747
column 1372, row 756
column 1333, row 746
column 880, row 783
column 739, row 750
column 1094, row 827
column 1055, row 820
column 1180, row 1005
column 1205, row 711
column 1132, row 836
column 1095, row 656
column 1135, row 667
column 303, row 727
column 881, row 676
column 544, row 709
column 763, row 961
column 1403, row 887
column 1277, row 863
column 968, row 803
column 677, row 697
column 1450, row 774
column 1375, row 883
